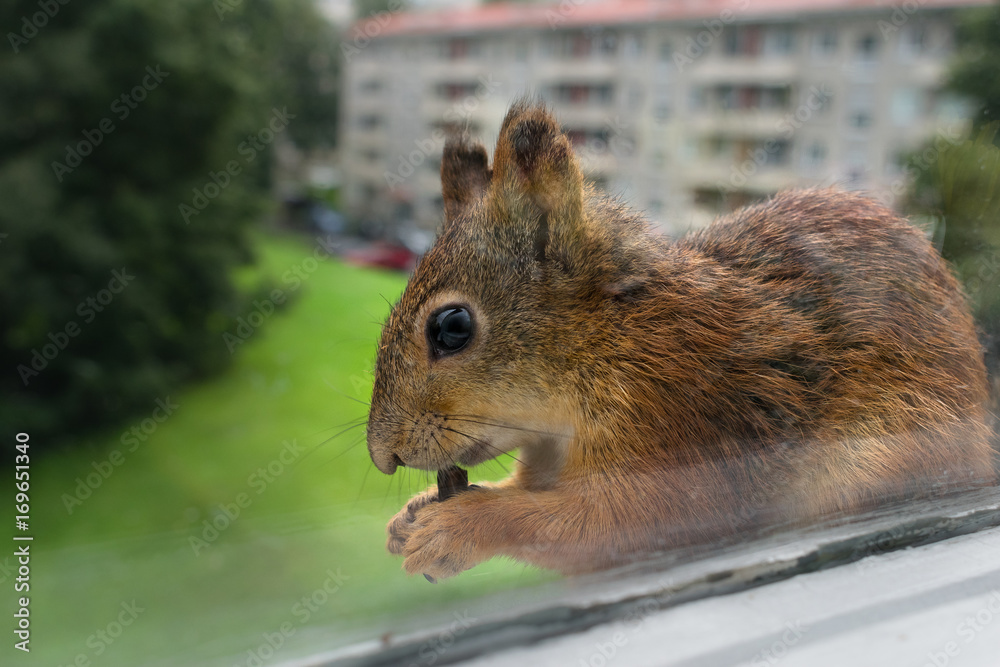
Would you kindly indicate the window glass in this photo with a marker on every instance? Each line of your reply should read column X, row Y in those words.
column 210, row 217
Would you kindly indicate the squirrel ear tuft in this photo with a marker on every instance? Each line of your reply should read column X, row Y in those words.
column 465, row 174
column 536, row 142
column 534, row 156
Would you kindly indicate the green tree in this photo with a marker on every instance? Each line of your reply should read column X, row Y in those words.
column 959, row 190
column 365, row 8
column 960, row 187
column 974, row 73
column 135, row 138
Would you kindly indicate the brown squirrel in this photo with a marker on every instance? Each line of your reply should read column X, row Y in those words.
column 807, row 355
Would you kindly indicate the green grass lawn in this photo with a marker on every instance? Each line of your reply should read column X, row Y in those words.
column 301, row 378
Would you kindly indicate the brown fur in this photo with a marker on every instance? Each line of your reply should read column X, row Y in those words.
column 808, row 355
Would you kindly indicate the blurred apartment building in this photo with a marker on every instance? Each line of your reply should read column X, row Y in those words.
column 684, row 108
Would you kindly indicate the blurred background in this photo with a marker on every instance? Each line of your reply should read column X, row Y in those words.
column 207, row 207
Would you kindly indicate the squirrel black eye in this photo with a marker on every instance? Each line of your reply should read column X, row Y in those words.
column 449, row 329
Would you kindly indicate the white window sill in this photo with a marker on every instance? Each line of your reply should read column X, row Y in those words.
column 894, row 588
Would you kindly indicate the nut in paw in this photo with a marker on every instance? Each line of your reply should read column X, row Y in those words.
column 436, row 545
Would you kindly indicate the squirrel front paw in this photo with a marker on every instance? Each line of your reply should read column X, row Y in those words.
column 433, row 537
column 401, row 526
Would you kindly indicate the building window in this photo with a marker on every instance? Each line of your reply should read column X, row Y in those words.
column 579, row 94
column 776, row 153
column 633, row 47
column 688, row 149
column 473, row 127
column 815, row 155
column 866, row 48
column 818, row 98
column 715, row 148
column 497, row 50
column 913, row 41
column 370, row 121
column 742, row 41
column 905, row 107
column 697, row 99
column 635, row 96
column 857, row 165
column 459, row 49
column 666, row 51
column 860, row 119
column 521, row 50
column 825, row 43
column 779, row 41
column 775, row 98
column 455, row 91
column 564, row 45
column 607, row 43
column 860, row 105
column 579, row 44
column 600, row 141
column 746, row 98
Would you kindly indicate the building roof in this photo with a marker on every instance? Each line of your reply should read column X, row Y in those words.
column 570, row 13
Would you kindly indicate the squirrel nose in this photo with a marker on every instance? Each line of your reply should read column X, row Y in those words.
column 380, row 447
column 386, row 462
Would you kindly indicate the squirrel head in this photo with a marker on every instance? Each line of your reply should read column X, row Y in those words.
column 502, row 319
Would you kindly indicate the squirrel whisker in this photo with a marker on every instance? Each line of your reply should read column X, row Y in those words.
column 483, row 443
column 480, row 420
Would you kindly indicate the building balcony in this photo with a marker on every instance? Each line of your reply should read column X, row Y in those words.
column 745, row 71
column 585, row 116
column 367, row 103
column 586, row 70
column 361, row 138
column 446, row 71
column 749, row 123
column 728, row 176
column 597, row 163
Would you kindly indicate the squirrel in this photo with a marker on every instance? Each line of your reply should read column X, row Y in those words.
column 802, row 357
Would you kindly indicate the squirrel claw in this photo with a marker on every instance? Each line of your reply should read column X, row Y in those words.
column 438, row 546
column 401, row 526
column 432, row 537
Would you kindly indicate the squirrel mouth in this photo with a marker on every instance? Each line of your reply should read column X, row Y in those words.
column 479, row 452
